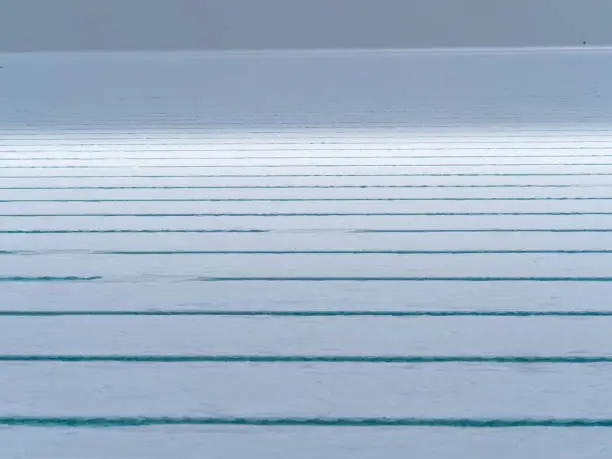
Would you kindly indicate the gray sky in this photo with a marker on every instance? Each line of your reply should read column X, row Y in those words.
column 239, row 24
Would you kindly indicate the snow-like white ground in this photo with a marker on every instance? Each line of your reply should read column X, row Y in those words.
column 321, row 242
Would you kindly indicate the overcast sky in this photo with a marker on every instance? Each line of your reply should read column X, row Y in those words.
column 210, row 24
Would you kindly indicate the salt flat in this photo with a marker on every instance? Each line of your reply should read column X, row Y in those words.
column 306, row 254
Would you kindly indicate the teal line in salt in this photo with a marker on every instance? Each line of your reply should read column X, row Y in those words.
column 461, row 423
column 407, row 279
column 166, row 148
column 301, row 313
column 424, row 174
column 122, row 231
column 306, row 166
column 416, row 359
column 6, row 279
column 489, row 230
column 364, row 231
column 276, row 187
column 339, row 252
column 307, row 214
column 378, row 157
column 545, row 198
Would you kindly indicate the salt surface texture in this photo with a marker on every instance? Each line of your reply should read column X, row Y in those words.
column 314, row 254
